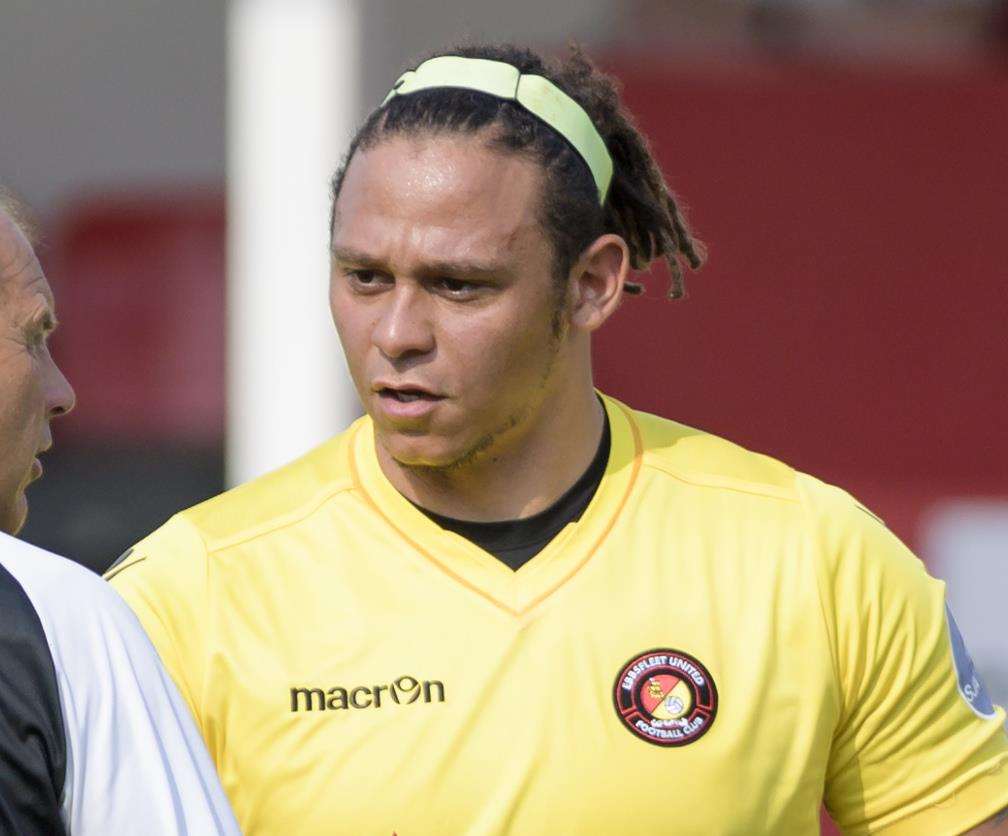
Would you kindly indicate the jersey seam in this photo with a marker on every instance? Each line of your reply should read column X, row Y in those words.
column 946, row 793
column 721, row 483
column 831, row 637
column 615, row 516
column 285, row 521
column 114, row 570
column 207, row 644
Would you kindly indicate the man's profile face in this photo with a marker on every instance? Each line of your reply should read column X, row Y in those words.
column 32, row 388
column 443, row 295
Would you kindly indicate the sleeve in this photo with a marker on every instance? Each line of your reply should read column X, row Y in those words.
column 918, row 748
column 32, row 743
column 164, row 580
column 135, row 760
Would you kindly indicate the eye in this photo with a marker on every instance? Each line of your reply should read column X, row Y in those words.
column 367, row 281
column 456, row 288
column 40, row 330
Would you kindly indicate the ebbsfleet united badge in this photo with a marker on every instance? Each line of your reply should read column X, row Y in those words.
column 666, row 697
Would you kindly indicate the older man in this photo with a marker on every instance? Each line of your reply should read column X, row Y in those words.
column 94, row 738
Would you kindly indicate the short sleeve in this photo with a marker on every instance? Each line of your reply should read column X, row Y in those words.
column 163, row 579
column 912, row 752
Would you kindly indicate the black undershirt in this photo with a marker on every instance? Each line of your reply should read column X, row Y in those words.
column 515, row 542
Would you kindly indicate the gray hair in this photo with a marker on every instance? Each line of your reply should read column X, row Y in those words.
column 12, row 205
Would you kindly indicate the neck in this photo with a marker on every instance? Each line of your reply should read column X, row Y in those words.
column 519, row 476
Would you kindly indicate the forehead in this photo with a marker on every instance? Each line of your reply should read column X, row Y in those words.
column 444, row 194
column 21, row 275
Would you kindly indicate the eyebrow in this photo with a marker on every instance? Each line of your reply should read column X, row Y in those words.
column 474, row 269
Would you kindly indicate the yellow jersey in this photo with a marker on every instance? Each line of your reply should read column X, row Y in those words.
column 717, row 646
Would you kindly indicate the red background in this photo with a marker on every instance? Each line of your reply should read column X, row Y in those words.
column 852, row 316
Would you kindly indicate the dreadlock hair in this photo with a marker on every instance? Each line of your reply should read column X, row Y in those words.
column 639, row 206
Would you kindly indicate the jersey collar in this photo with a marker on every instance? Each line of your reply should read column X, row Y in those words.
column 479, row 573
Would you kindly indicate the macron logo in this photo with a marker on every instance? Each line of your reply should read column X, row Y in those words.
column 405, row 690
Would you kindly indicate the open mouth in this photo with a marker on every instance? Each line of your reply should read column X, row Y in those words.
column 407, row 395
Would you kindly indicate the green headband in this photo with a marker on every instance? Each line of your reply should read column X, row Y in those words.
column 536, row 94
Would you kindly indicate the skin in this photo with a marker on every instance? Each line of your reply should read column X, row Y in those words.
column 442, row 279
column 33, row 390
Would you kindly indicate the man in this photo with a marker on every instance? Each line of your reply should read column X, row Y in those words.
column 93, row 736
column 503, row 603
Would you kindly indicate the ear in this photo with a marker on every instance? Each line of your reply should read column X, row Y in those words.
column 597, row 280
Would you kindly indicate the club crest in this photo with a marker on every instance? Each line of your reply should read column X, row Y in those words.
column 666, row 697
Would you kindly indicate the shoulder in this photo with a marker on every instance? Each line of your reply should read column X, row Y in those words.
column 95, row 711
column 84, row 620
column 63, row 593
column 704, row 460
column 277, row 499
column 273, row 501
column 87, row 636
column 842, row 531
column 861, row 555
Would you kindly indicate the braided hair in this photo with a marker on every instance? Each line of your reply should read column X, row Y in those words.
column 639, row 206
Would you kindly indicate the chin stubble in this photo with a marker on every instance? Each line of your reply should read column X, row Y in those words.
column 484, row 448
column 478, row 452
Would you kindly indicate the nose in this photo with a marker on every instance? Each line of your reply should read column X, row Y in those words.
column 404, row 328
column 60, row 397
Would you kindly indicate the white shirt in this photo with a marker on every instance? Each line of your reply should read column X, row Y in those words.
column 94, row 738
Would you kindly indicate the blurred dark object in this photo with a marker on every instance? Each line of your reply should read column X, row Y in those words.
column 999, row 25
column 778, row 26
column 859, row 30
column 96, row 500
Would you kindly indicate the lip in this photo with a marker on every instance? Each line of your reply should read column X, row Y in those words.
column 405, row 410
column 36, row 470
column 403, row 386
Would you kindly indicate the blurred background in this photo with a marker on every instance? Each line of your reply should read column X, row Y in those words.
column 844, row 160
